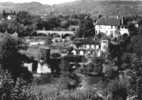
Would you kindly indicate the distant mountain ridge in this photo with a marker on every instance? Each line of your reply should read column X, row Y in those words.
column 107, row 7
column 32, row 7
column 93, row 7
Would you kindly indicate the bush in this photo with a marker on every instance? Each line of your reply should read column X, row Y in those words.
column 11, row 89
column 6, row 85
column 88, row 94
column 44, row 79
column 69, row 81
column 118, row 90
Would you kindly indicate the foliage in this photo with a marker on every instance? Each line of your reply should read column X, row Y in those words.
column 24, row 17
column 69, row 81
column 53, row 22
column 11, row 89
column 88, row 94
column 132, row 29
column 136, row 44
column 11, row 59
column 118, row 89
column 44, row 79
column 86, row 27
column 23, row 23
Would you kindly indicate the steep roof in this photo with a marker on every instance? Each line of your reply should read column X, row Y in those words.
column 113, row 21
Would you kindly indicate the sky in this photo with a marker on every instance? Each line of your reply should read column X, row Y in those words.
column 50, row 2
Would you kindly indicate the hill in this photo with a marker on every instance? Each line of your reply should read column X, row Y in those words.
column 106, row 7
column 93, row 7
column 33, row 7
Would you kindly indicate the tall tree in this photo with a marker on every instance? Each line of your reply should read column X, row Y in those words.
column 53, row 22
column 24, row 17
column 86, row 27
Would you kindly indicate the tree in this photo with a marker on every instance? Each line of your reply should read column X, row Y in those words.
column 3, row 26
column 41, row 24
column 64, row 24
column 26, row 23
column 24, row 17
column 115, row 52
column 132, row 29
column 4, row 14
column 136, row 45
column 86, row 27
column 53, row 22
column 12, row 27
column 11, row 59
column 22, row 30
column 12, row 89
column 118, row 90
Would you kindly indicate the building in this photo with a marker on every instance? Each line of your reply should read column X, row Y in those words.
column 38, row 58
column 111, row 26
column 85, row 47
column 104, row 46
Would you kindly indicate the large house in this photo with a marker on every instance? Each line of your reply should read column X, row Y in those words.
column 111, row 26
column 90, row 48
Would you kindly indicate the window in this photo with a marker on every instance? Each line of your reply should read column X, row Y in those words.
column 81, row 53
column 92, row 46
column 87, row 46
